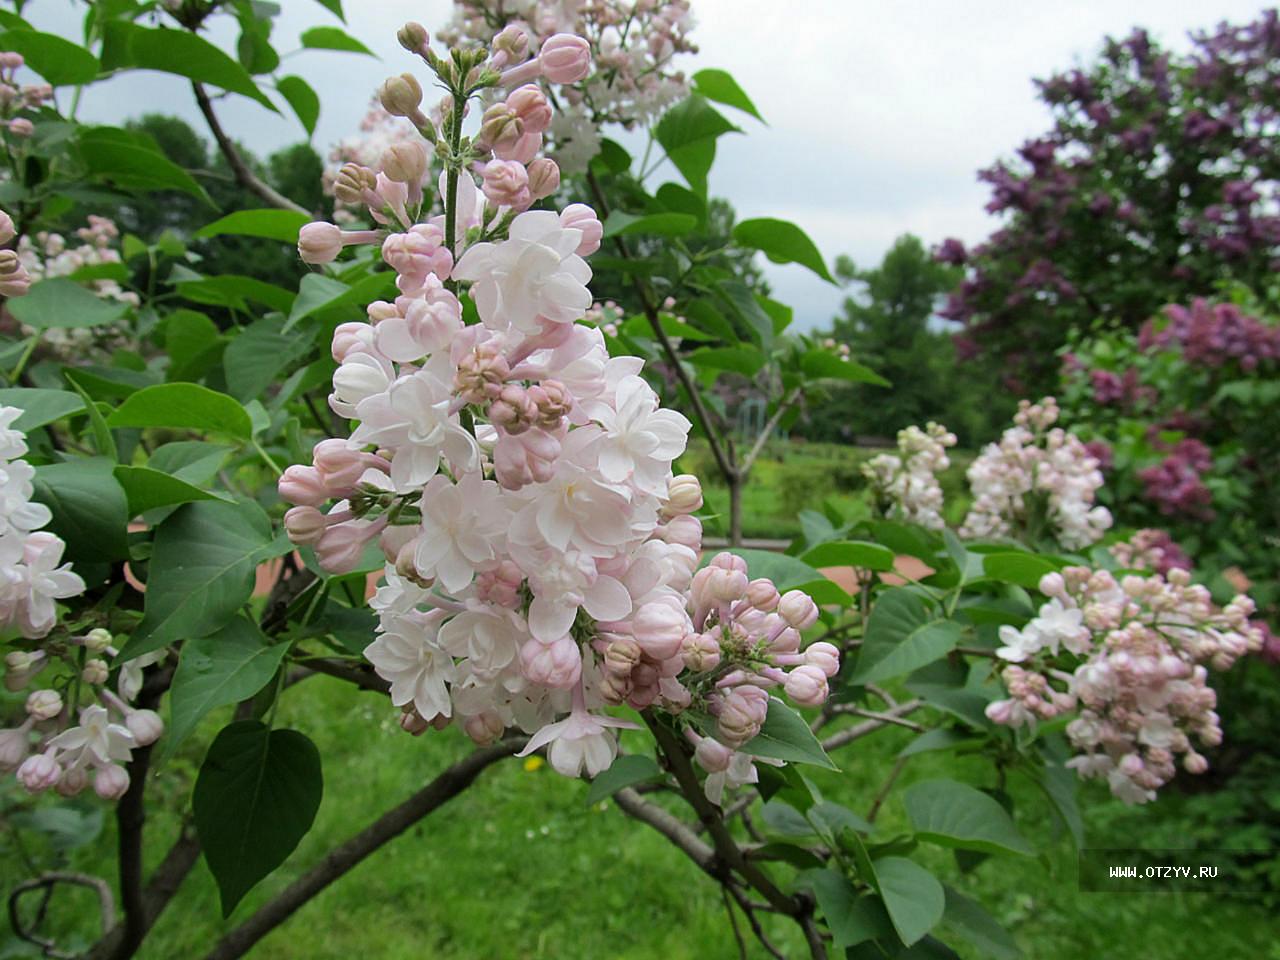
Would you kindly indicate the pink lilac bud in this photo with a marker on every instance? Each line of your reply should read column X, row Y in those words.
column 44, row 704
column 578, row 216
column 742, row 714
column 414, row 37
column 824, row 656
column 305, row 525
column 303, row 485
column 72, row 782
column 544, row 177
column 524, row 459
column 7, row 230
column 39, row 772
column 111, row 782
column 513, row 43
column 1053, row 585
column 513, row 411
column 418, row 252
column 15, row 745
column 481, row 374
column 354, row 183
column 339, row 464
column 565, row 58
column 523, row 150
column 530, row 104
column 701, row 652
column 684, row 531
column 660, row 629
column 95, row 672
column 401, row 96
column 807, row 686
column 553, row 400
column 506, row 184
column 319, row 242
column 405, row 163
column 340, row 546
column 21, row 127
column 724, row 585
column 556, row 664
column 484, row 728
column 761, row 594
column 351, row 337
column 97, row 640
column 1195, row 763
column 615, row 688
column 412, row 722
column 500, row 128
column 14, row 279
column 798, row 609
column 10, row 60
column 621, row 656
column 145, row 725
column 712, row 756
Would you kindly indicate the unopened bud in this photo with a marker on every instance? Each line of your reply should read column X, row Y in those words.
column 401, row 96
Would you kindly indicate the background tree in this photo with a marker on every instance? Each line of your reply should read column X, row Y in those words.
column 1157, row 180
column 890, row 322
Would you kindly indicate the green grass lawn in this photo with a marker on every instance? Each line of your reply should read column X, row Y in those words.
column 518, row 867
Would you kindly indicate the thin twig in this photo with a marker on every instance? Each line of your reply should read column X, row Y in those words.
column 783, row 405
column 246, row 177
column 46, row 882
column 338, row 861
column 671, row 827
column 359, row 674
column 733, row 922
column 883, row 793
column 849, row 734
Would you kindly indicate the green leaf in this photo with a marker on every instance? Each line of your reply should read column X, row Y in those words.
column 912, row 895
column 147, row 489
column 850, row 553
column 59, row 61
column 719, row 85
column 90, row 511
column 201, row 572
column 688, row 133
column 786, row 736
column 786, row 572
column 335, row 6
column 132, row 163
column 334, row 38
column 954, row 814
column 941, row 738
column 782, row 242
column 256, row 796
column 226, row 667
column 625, row 771
column 193, row 342
column 304, row 101
column 971, row 921
column 902, row 635
column 63, row 303
column 103, row 441
column 66, row 827
column 1023, row 569
column 232, row 290
column 39, row 406
column 824, row 365
column 1059, row 785
column 853, row 919
column 194, row 461
column 745, row 360
column 255, row 358
column 282, row 225
column 318, row 292
column 128, row 46
column 743, row 304
column 621, row 224
column 186, row 405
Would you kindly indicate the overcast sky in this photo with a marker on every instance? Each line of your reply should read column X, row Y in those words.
column 879, row 113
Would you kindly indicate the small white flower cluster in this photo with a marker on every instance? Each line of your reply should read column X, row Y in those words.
column 1131, row 657
column 633, row 44
column 905, row 484
column 540, row 556
column 1037, row 480
column 49, row 255
column 32, row 579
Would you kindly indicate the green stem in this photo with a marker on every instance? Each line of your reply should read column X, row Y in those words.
column 454, row 162
column 26, row 355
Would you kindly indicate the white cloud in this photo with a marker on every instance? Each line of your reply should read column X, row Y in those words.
column 879, row 113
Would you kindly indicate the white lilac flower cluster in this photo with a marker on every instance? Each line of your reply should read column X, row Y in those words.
column 32, row 580
column 905, row 484
column 540, row 556
column 1037, row 480
column 1131, row 657
column 633, row 45
column 49, row 255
